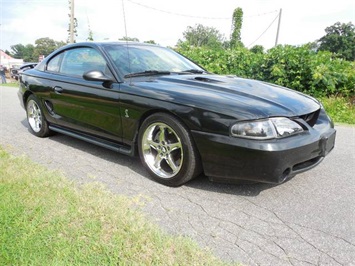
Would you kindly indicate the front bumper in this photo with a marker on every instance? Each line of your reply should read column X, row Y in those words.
column 227, row 158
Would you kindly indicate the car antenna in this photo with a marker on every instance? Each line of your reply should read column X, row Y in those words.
column 125, row 28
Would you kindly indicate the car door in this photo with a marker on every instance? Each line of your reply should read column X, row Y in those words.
column 81, row 105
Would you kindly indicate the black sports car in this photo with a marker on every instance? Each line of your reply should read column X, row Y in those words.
column 15, row 72
column 143, row 99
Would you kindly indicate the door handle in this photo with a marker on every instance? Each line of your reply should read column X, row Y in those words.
column 58, row 89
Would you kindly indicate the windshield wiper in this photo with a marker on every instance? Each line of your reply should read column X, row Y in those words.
column 147, row 73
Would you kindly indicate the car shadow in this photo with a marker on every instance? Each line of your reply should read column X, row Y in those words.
column 233, row 188
column 201, row 182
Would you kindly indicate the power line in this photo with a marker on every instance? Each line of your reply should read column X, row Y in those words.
column 191, row 16
column 173, row 13
column 210, row 18
column 262, row 14
column 264, row 31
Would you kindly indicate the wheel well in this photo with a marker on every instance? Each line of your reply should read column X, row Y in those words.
column 25, row 97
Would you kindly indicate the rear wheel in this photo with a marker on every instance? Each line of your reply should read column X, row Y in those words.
column 167, row 150
column 36, row 120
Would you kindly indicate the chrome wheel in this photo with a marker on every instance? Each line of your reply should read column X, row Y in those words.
column 34, row 116
column 36, row 119
column 162, row 150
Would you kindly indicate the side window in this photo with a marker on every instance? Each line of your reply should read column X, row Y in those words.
column 80, row 60
column 53, row 65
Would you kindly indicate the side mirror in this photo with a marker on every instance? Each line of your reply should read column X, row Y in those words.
column 96, row 75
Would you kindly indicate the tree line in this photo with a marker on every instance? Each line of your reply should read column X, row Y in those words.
column 339, row 38
column 324, row 67
column 300, row 68
column 31, row 53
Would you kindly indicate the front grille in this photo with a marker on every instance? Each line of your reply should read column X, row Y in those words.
column 311, row 118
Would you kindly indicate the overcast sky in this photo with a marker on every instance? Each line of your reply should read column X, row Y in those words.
column 302, row 21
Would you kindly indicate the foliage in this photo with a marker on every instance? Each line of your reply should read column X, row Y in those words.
column 340, row 109
column 71, row 39
column 288, row 66
column 30, row 53
column 236, row 39
column 299, row 68
column 129, row 39
column 151, row 42
column 340, row 39
column 21, row 51
column 90, row 35
column 45, row 46
column 46, row 220
column 202, row 36
column 257, row 49
column 73, row 24
column 10, row 84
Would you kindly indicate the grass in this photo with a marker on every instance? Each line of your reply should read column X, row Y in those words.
column 340, row 109
column 10, row 84
column 47, row 220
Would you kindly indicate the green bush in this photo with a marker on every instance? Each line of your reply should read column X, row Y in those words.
column 299, row 68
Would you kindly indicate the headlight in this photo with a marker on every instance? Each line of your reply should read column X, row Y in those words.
column 285, row 126
column 254, row 129
column 277, row 127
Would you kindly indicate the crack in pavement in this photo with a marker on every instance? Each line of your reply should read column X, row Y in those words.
column 297, row 233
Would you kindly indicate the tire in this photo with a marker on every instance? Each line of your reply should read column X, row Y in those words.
column 38, row 124
column 167, row 150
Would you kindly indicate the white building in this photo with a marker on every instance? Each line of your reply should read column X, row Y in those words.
column 8, row 61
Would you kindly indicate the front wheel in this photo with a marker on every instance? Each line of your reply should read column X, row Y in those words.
column 167, row 150
column 35, row 118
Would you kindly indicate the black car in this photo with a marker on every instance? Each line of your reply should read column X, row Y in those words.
column 15, row 72
column 143, row 99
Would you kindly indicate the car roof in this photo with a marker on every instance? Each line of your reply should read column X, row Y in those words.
column 97, row 45
column 107, row 43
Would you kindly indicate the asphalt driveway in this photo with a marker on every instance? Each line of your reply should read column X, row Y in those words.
column 309, row 220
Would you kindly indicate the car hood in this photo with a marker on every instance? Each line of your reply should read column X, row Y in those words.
column 238, row 97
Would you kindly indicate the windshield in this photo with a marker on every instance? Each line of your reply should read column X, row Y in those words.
column 145, row 58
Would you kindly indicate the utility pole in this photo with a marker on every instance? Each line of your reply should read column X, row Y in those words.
column 278, row 28
column 71, row 27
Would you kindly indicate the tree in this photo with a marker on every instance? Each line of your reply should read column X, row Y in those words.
column 151, row 42
column 21, row 51
column 257, row 49
column 237, row 22
column 44, row 46
column 339, row 39
column 30, row 53
column 91, row 35
column 129, row 39
column 200, row 35
column 18, row 51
